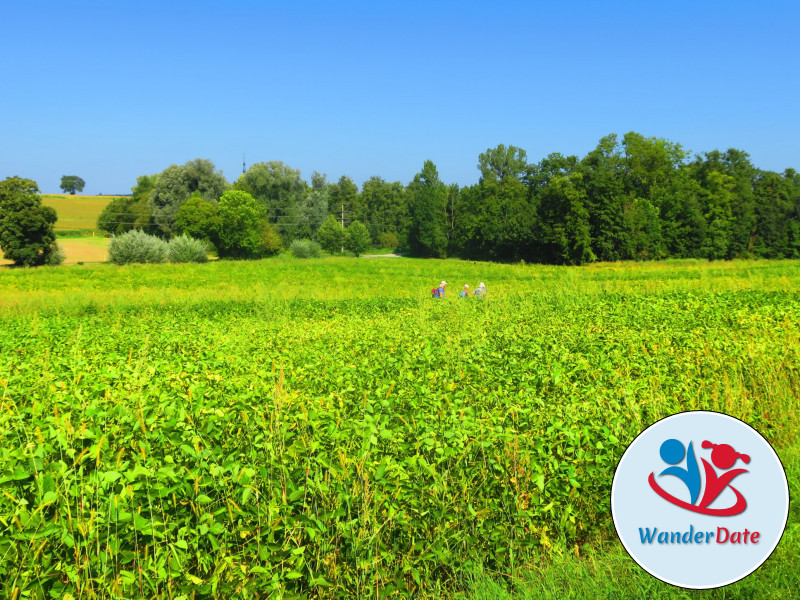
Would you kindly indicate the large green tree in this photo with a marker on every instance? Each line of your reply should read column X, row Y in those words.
column 198, row 218
column 240, row 230
column 357, row 238
column 504, row 211
column 313, row 207
column 603, row 179
column 501, row 162
column 26, row 226
column 776, row 234
column 130, row 212
column 717, row 198
column 427, row 204
column 175, row 184
column 385, row 208
column 71, row 184
column 280, row 189
column 736, row 165
column 331, row 234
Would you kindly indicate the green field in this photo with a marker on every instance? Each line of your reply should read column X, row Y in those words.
column 76, row 213
column 325, row 429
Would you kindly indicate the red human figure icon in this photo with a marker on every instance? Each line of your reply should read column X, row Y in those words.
column 724, row 457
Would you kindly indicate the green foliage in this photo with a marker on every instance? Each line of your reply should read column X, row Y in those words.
column 26, row 226
column 388, row 240
column 183, row 249
column 305, row 249
column 501, row 162
column 137, row 246
column 71, row 184
column 271, row 242
column 56, row 256
column 176, row 184
column 198, row 218
column 385, row 209
column 241, row 226
column 295, row 430
column 357, row 238
column 123, row 214
column 427, row 235
column 280, row 190
column 331, row 235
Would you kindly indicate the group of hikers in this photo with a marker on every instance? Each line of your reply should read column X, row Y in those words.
column 480, row 291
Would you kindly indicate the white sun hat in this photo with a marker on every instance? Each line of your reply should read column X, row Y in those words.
column 444, row 283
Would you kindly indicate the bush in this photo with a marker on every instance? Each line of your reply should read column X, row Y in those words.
column 55, row 256
column 271, row 242
column 184, row 249
column 137, row 247
column 305, row 249
column 388, row 240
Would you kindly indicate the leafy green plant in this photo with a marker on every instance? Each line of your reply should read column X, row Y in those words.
column 135, row 246
column 345, row 437
column 184, row 249
column 305, row 249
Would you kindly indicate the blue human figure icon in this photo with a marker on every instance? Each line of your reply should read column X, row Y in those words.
column 672, row 452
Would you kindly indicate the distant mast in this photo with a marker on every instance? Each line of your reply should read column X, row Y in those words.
column 244, row 169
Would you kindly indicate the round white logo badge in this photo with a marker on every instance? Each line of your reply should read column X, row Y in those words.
column 700, row 499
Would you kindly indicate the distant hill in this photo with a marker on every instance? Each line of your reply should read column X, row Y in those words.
column 76, row 213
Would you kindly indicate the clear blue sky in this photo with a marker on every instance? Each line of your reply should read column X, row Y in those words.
column 115, row 89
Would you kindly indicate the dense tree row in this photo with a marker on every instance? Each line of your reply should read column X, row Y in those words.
column 634, row 198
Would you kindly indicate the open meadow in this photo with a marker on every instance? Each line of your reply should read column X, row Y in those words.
column 76, row 213
column 325, row 429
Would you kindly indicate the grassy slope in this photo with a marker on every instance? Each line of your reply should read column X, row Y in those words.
column 76, row 212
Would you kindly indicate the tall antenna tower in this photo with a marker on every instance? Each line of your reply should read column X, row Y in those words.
column 244, row 166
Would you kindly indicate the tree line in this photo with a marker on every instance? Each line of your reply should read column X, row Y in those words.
column 630, row 198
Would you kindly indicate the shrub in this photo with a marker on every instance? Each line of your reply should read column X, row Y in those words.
column 137, row 247
column 271, row 242
column 388, row 240
column 184, row 249
column 305, row 249
column 55, row 256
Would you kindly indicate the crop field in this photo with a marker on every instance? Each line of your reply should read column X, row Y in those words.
column 324, row 429
column 79, row 250
column 76, row 213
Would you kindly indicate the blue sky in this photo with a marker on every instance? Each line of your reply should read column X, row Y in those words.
column 112, row 90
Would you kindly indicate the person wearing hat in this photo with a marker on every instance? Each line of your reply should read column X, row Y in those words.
column 441, row 287
column 465, row 292
column 481, row 291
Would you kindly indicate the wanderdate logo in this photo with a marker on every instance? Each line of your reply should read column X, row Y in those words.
column 723, row 457
column 699, row 499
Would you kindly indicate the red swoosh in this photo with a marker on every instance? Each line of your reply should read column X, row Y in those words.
column 737, row 508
